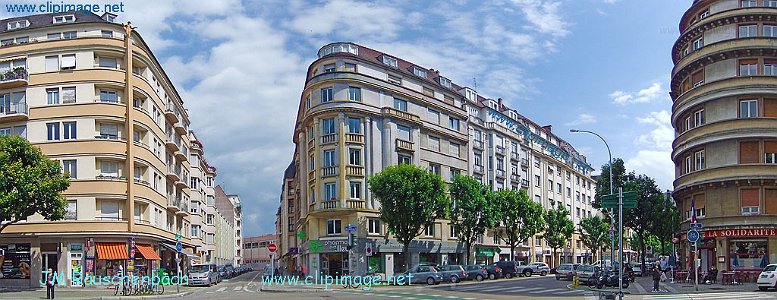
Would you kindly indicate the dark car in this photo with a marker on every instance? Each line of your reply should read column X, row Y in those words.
column 566, row 271
column 476, row 272
column 494, row 271
column 509, row 268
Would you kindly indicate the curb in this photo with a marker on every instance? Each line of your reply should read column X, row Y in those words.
column 140, row 297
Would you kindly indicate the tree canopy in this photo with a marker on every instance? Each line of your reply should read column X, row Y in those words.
column 595, row 233
column 29, row 182
column 520, row 217
column 471, row 212
column 410, row 198
column 559, row 228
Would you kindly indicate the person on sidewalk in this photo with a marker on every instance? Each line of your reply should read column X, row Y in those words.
column 656, row 276
column 50, row 283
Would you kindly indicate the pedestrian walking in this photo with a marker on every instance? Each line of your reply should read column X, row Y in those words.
column 656, row 276
column 50, row 282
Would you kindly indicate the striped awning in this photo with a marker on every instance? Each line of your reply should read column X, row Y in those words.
column 112, row 251
column 147, row 251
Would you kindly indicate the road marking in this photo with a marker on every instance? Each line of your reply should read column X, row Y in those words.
column 237, row 288
column 571, row 292
column 550, row 291
column 221, row 289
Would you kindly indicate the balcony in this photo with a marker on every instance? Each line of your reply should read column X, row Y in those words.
column 329, row 138
column 329, row 204
column 404, row 145
column 329, row 171
column 172, row 174
column 354, row 171
column 478, row 169
column 354, row 204
column 500, row 150
column 171, row 145
column 395, row 113
column 515, row 156
column 524, row 161
column 180, row 156
column 171, row 113
column 141, row 181
column 184, row 208
column 477, row 144
column 14, row 112
column 182, row 183
column 180, row 128
column 525, row 182
column 173, row 204
column 500, row 173
column 515, row 178
column 354, row 138
column 15, row 78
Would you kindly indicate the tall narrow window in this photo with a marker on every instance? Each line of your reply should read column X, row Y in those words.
column 69, row 130
column 400, row 104
column 331, row 191
column 699, row 160
column 354, row 125
column 748, row 109
column 70, row 167
column 329, row 158
column 698, row 118
column 328, row 126
column 355, row 156
column 356, row 190
column 326, row 95
column 698, row 43
column 750, row 201
column 354, row 94
column 770, row 148
column 770, row 30
column 748, row 67
column 53, row 131
column 52, row 96
column 455, row 124
column 770, row 67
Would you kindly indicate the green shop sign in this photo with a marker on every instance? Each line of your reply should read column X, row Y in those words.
column 489, row 251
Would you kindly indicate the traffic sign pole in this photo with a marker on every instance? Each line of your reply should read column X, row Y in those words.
column 620, row 243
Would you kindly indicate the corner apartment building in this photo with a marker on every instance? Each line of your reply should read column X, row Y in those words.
column 363, row 110
column 91, row 94
column 725, row 146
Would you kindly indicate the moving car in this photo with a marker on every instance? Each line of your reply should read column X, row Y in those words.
column 476, row 272
column 453, row 273
column 534, row 268
column 424, row 273
column 510, row 269
column 566, row 271
column 768, row 278
column 203, row 274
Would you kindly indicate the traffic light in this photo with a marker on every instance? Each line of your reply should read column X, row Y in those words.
column 351, row 240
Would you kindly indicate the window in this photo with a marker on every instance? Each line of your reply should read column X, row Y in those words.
column 435, row 168
column 52, row 63
column 333, row 227
column 444, row 81
column 558, row 188
column 312, row 164
column 687, row 166
column 69, row 166
column 54, row 36
column 373, row 226
column 770, row 3
column 698, row 118
column 434, row 143
column 109, row 169
column 454, row 231
column 698, row 43
column 770, row 30
column 349, row 67
column 419, row 72
column 455, row 149
column 750, row 200
column 434, row 116
column 68, row 62
column 429, row 231
column 331, row 191
column 403, row 132
column 329, row 68
column 746, row 31
column 355, row 157
column 354, row 94
column 64, row 19
column 699, row 160
column 326, row 95
column 428, row 91
column 52, row 96
column 18, row 24
column 388, row 60
column 109, row 131
column 404, row 159
column 329, row 158
column 550, row 185
column 109, row 210
column 400, row 104
column 479, row 159
column 394, row 79
column 354, row 125
column 108, row 62
column 356, row 190
column 748, row 3
column 69, row 35
column 770, row 148
column 109, row 96
column 749, row 152
column 748, row 67
column 106, row 33
column 454, row 172
column 500, row 163
column 69, row 130
column 748, row 109
column 312, row 195
column 569, row 192
column 770, row 67
column 328, row 126
column 455, row 124
column 697, row 78
column 537, row 180
column 53, row 131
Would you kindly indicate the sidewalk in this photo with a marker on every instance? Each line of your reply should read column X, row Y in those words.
column 644, row 285
column 95, row 293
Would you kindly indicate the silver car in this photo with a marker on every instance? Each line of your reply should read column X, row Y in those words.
column 203, row 274
column 424, row 273
column 453, row 273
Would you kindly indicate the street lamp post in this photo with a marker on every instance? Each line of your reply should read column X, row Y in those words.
column 612, row 211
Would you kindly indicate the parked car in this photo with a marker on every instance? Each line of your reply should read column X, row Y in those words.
column 768, row 278
column 424, row 273
column 476, row 272
column 453, row 273
column 203, row 274
column 534, row 268
column 223, row 272
column 494, row 271
column 637, row 269
column 566, row 271
column 585, row 273
column 230, row 270
column 509, row 268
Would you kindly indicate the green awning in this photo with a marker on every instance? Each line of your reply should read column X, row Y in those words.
column 486, row 251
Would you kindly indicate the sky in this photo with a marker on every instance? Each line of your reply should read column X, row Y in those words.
column 599, row 65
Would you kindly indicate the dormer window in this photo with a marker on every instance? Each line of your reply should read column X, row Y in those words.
column 470, row 94
column 64, row 19
column 18, row 24
column 346, row 48
column 444, row 81
column 388, row 60
column 419, row 72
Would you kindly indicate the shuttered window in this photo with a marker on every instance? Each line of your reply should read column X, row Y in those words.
column 770, row 149
column 748, row 153
column 749, row 198
column 770, row 108
column 697, row 78
column 700, row 205
column 770, row 201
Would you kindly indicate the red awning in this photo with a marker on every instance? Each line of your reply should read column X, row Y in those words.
column 112, row 251
column 147, row 251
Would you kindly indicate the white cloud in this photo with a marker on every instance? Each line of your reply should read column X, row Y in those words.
column 645, row 95
column 662, row 135
column 610, row 1
column 656, row 164
column 582, row 119
column 544, row 16
column 351, row 18
column 654, row 159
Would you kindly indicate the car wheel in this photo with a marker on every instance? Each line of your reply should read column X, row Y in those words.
column 543, row 273
column 454, row 279
column 430, row 281
column 479, row 277
column 492, row 276
column 509, row 275
column 558, row 278
column 527, row 273
column 762, row 288
column 626, row 284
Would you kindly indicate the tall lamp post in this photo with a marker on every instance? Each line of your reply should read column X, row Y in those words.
column 612, row 211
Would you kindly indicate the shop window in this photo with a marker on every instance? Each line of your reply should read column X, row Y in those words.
column 750, row 201
column 749, row 152
column 748, row 254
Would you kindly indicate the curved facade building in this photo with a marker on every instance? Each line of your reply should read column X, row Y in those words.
column 724, row 89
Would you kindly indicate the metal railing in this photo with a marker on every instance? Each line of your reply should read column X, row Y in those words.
column 14, row 108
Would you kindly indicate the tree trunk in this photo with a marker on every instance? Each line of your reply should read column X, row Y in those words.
column 642, row 249
column 406, row 250
column 553, row 259
column 469, row 246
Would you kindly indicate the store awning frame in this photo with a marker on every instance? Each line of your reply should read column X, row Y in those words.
column 184, row 251
column 112, row 251
column 147, row 251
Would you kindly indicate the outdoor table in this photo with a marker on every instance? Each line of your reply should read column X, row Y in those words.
column 682, row 276
column 727, row 277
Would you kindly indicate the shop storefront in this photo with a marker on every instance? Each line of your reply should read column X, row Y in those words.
column 733, row 249
column 15, row 262
column 486, row 254
column 334, row 257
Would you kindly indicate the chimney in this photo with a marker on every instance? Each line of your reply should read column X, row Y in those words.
column 549, row 128
column 499, row 100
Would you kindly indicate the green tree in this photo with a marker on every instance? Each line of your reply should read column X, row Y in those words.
column 559, row 229
column 603, row 182
column 471, row 212
column 520, row 217
column 650, row 202
column 29, row 183
column 595, row 234
column 410, row 198
column 667, row 223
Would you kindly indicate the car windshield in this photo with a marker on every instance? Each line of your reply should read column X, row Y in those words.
column 198, row 269
column 770, row 268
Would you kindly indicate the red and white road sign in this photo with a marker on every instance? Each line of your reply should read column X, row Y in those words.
column 272, row 248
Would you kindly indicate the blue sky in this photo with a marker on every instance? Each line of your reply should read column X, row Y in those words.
column 600, row 65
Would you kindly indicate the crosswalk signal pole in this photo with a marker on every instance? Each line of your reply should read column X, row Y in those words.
column 620, row 243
